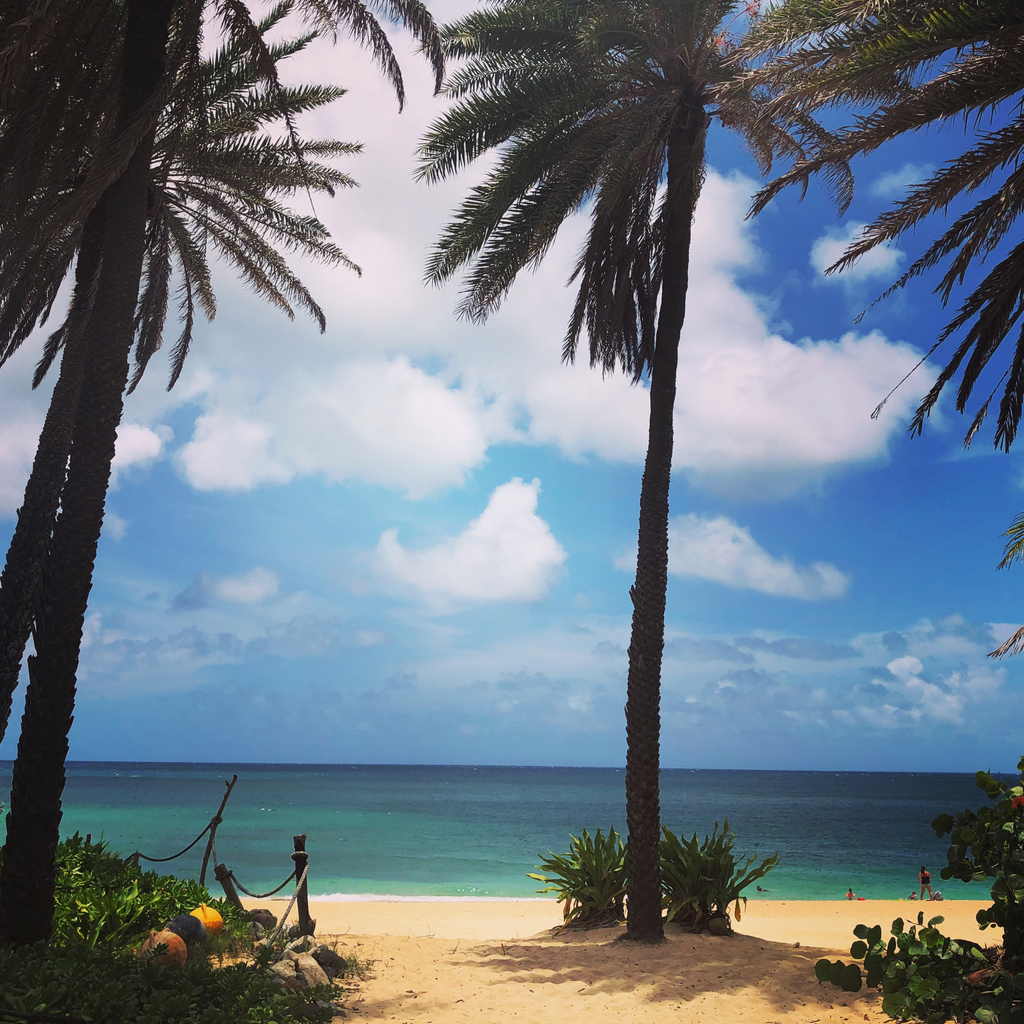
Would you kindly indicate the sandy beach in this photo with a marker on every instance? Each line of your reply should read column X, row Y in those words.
column 503, row 961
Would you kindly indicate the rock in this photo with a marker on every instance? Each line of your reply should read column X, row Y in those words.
column 263, row 917
column 256, row 930
column 330, row 961
column 303, row 944
column 310, row 970
column 284, row 973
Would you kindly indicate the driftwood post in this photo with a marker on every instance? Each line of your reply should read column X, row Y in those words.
column 213, row 832
column 221, row 873
column 307, row 925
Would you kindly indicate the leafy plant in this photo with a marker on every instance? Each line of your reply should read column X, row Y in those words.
column 989, row 843
column 111, row 986
column 590, row 880
column 699, row 881
column 103, row 899
column 924, row 975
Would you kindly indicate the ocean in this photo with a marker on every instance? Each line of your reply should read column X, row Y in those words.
column 458, row 831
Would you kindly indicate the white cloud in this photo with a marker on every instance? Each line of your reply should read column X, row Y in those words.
column 882, row 261
column 137, row 445
column 18, row 439
column 382, row 421
column 249, row 588
column 507, row 553
column 113, row 525
column 895, row 183
column 720, row 550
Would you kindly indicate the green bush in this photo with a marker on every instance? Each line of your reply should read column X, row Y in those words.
column 110, row 986
column 925, row 975
column 590, row 880
column 103, row 899
column 700, row 881
column 989, row 843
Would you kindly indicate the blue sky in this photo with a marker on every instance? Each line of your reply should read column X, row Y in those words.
column 409, row 540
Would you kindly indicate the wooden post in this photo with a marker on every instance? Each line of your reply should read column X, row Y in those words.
column 213, row 830
column 307, row 926
column 134, row 859
column 221, row 873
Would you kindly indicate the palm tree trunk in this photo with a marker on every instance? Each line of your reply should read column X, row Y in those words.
column 19, row 582
column 33, row 824
column 647, row 639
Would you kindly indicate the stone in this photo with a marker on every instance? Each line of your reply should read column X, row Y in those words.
column 330, row 961
column 310, row 970
column 263, row 917
column 256, row 930
column 285, row 974
column 303, row 944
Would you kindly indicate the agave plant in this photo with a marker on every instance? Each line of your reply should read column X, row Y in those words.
column 700, row 880
column 589, row 880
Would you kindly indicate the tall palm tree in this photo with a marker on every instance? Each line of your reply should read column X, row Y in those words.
column 913, row 65
column 217, row 179
column 119, row 176
column 603, row 107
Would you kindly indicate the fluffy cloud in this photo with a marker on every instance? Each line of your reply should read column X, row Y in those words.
column 893, row 184
column 401, row 394
column 250, row 588
column 882, row 261
column 386, row 422
column 137, row 445
column 720, row 550
column 507, row 553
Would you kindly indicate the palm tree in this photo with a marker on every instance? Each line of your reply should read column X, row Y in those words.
column 603, row 106
column 59, row 203
column 215, row 180
column 922, row 63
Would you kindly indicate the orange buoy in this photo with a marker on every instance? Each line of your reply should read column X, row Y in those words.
column 211, row 919
column 176, row 953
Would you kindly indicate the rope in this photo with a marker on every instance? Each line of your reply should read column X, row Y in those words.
column 284, row 916
column 163, row 860
column 260, row 895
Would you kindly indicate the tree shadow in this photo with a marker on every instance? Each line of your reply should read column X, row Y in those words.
column 685, row 969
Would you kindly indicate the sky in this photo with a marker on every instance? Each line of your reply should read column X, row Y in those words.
column 411, row 539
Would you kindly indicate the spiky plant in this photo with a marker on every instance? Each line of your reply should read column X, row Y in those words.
column 603, row 108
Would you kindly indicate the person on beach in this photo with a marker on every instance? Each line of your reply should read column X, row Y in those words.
column 926, row 882
column 850, row 895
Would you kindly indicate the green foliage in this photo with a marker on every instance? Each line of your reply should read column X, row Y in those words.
column 113, row 987
column 103, row 899
column 590, row 880
column 989, row 843
column 925, row 975
column 701, row 880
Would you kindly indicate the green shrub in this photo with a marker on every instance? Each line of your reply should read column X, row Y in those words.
column 989, row 843
column 103, row 899
column 590, row 880
column 109, row 986
column 700, row 881
column 925, row 975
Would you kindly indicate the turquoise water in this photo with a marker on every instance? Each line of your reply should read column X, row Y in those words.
column 465, row 831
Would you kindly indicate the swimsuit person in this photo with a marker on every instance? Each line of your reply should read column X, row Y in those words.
column 850, row 895
column 926, row 882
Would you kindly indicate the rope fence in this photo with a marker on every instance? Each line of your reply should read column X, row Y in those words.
column 231, row 884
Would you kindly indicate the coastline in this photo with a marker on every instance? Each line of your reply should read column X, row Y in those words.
column 821, row 924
